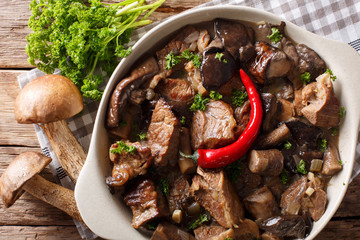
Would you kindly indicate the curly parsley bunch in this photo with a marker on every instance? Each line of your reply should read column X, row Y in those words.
column 78, row 38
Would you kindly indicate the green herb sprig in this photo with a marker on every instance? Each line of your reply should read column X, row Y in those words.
column 123, row 147
column 219, row 56
column 275, row 35
column 287, row 145
column 171, row 60
column 323, row 145
column 301, row 167
column 238, row 97
column 164, row 186
column 78, row 38
column 199, row 103
column 305, row 77
column 284, row 177
column 332, row 76
column 234, row 170
column 202, row 218
column 214, row 95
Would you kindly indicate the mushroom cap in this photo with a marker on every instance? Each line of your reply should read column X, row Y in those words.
column 48, row 98
column 20, row 170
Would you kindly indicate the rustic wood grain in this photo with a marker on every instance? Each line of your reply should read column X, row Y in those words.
column 13, row 133
column 39, row 233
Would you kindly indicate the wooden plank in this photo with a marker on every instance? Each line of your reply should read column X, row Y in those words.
column 39, row 233
column 13, row 133
column 342, row 229
column 14, row 17
column 350, row 206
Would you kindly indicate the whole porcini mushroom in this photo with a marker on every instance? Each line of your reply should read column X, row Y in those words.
column 22, row 175
column 49, row 100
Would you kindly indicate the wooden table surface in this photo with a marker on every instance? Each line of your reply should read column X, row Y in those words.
column 30, row 218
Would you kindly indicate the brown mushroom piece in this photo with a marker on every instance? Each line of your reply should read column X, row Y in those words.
column 274, row 138
column 266, row 162
column 331, row 161
column 167, row 231
column 124, row 88
column 285, row 226
column 22, row 176
column 49, row 100
column 269, row 63
column 321, row 105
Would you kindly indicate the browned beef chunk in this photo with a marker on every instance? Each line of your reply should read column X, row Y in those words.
column 275, row 185
column 321, row 105
column 286, row 110
column 331, row 161
column 269, row 63
column 216, row 71
column 213, row 127
column 167, row 231
column 163, row 134
column 274, row 138
column 266, row 162
column 176, row 46
column 213, row 190
column 269, row 236
column 242, row 115
column 213, row 232
column 291, row 198
column 261, row 204
column 128, row 165
column 180, row 194
column 177, row 92
column 236, row 38
column 270, row 107
column 145, row 202
column 318, row 200
column 298, row 104
column 285, row 226
column 122, row 92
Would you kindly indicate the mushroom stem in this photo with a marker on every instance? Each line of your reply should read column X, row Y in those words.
column 53, row 194
column 68, row 150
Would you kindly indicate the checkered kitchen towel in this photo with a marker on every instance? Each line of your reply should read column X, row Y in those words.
column 338, row 20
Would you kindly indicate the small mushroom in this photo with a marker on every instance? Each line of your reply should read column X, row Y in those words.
column 22, row 175
column 49, row 100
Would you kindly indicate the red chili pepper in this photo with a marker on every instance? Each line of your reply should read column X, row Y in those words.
column 220, row 157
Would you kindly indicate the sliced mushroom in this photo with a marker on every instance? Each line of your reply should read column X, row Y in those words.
column 322, row 107
column 22, row 175
column 51, row 99
column 270, row 107
column 266, row 162
column 285, row 226
column 286, row 111
column 122, row 92
column 167, row 231
column 274, row 138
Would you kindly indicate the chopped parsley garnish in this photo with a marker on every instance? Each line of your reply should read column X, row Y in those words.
column 215, row 95
column 78, row 37
column 199, row 103
column 238, row 97
column 228, row 238
column 342, row 112
column 275, row 36
column 219, row 56
column 334, row 131
column 123, row 147
column 183, row 120
column 152, row 225
column 323, row 145
column 164, row 186
column 190, row 56
column 340, row 162
column 142, row 136
column 332, row 76
column 202, row 218
column 234, row 170
column 171, row 60
column 287, row 145
column 284, row 177
column 305, row 77
column 301, row 168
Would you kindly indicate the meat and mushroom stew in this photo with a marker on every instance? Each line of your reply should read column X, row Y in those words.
column 229, row 131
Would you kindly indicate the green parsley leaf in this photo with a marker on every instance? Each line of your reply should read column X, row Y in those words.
column 284, row 177
column 202, row 218
column 228, row 238
column 215, row 95
column 238, row 97
column 305, row 77
column 332, row 76
column 234, row 170
column 171, row 60
column 323, row 145
column 301, row 168
column 334, row 131
column 287, row 145
column 275, row 36
column 142, row 136
column 219, row 56
column 199, row 103
column 183, row 120
column 123, row 147
column 342, row 112
column 340, row 162
column 190, row 56
column 152, row 225
column 164, row 186
column 78, row 37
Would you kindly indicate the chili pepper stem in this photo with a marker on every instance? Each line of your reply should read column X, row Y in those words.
column 194, row 156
